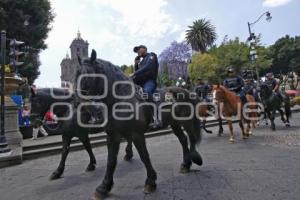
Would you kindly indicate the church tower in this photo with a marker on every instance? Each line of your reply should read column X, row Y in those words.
column 69, row 65
column 79, row 47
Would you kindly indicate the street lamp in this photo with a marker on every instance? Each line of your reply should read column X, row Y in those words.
column 252, row 40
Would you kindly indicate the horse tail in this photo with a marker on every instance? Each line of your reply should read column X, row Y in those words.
column 183, row 95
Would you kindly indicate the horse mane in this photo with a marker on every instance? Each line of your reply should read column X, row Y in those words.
column 231, row 96
column 113, row 72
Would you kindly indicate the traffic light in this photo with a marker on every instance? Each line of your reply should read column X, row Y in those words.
column 15, row 54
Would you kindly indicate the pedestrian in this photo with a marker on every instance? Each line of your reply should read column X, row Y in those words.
column 26, row 116
column 38, row 128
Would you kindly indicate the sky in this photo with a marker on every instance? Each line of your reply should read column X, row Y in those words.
column 114, row 27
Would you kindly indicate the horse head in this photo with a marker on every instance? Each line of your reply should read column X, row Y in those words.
column 91, row 78
column 95, row 79
column 265, row 91
column 218, row 93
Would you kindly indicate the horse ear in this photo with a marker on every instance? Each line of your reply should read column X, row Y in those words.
column 93, row 56
column 218, row 85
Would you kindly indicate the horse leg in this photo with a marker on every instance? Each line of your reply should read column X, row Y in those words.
column 287, row 110
column 272, row 118
column 65, row 151
column 88, row 147
column 231, row 139
column 194, row 155
column 245, row 134
column 282, row 115
column 266, row 118
column 128, row 150
column 187, row 163
column 221, row 130
column 204, row 127
column 140, row 144
column 113, row 145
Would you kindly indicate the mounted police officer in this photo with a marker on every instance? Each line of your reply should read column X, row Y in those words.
column 235, row 84
column 250, row 87
column 145, row 75
column 273, row 84
column 202, row 89
column 146, row 70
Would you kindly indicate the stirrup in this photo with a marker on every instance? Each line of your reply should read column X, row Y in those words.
column 156, row 124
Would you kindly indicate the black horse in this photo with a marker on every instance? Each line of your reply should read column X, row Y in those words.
column 138, row 122
column 41, row 101
column 273, row 102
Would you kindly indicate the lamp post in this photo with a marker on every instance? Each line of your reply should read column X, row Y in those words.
column 4, row 149
column 252, row 40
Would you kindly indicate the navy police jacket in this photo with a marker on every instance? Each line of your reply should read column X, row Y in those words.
column 147, row 69
column 234, row 84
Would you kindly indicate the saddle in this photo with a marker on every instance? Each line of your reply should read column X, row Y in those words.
column 159, row 96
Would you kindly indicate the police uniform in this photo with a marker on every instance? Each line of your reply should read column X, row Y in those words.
column 202, row 91
column 146, row 73
column 250, row 88
column 235, row 84
column 272, row 83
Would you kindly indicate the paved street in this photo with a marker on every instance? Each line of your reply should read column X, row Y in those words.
column 265, row 167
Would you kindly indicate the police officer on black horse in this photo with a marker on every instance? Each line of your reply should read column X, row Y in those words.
column 145, row 75
column 273, row 85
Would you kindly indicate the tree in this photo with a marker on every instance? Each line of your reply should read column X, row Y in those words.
column 205, row 66
column 286, row 55
column 128, row 70
column 174, row 59
column 39, row 16
column 201, row 35
column 234, row 53
column 163, row 78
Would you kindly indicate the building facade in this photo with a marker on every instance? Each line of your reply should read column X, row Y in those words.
column 69, row 65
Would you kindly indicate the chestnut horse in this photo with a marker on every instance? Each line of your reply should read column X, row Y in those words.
column 230, row 106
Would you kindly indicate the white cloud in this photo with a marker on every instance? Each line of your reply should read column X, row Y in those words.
column 142, row 18
column 112, row 27
column 275, row 3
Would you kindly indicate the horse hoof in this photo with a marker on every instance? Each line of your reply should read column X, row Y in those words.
column 128, row 158
column 209, row 132
column 97, row 196
column 148, row 189
column 184, row 169
column 54, row 176
column 250, row 133
column 196, row 158
column 231, row 141
column 245, row 137
column 287, row 125
column 91, row 168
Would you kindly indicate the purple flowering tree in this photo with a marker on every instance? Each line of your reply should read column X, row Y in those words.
column 175, row 59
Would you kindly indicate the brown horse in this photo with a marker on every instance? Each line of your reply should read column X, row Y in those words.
column 230, row 106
